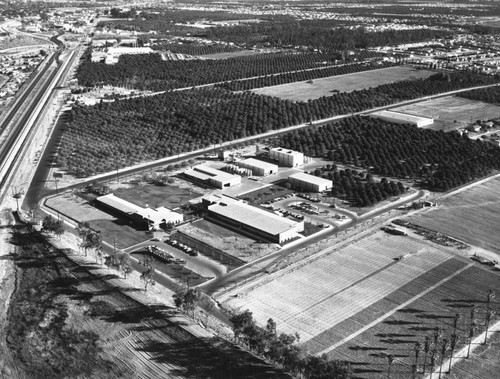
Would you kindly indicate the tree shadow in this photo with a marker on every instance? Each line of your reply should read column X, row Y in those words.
column 410, row 310
column 435, row 316
column 366, row 348
column 400, row 322
column 394, row 341
column 208, row 358
column 422, row 328
column 389, row 335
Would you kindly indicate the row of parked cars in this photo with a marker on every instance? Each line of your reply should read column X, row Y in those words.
column 284, row 213
column 163, row 255
column 310, row 198
column 180, row 246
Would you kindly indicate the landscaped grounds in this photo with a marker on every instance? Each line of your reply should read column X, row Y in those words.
column 302, row 91
column 156, row 196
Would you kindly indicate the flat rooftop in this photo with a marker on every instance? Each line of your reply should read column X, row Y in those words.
column 261, row 164
column 311, row 179
column 212, row 173
column 252, row 216
column 119, row 204
column 287, row 151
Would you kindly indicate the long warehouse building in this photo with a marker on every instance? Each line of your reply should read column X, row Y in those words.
column 246, row 219
column 403, row 118
column 213, row 177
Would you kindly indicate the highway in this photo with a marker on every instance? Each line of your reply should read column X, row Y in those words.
column 15, row 126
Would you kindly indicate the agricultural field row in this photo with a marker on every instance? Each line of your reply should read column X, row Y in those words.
column 398, row 333
column 471, row 216
column 332, row 289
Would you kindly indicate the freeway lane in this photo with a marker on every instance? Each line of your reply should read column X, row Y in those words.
column 15, row 126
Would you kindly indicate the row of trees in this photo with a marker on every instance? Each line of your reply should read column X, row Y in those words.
column 326, row 35
column 488, row 95
column 439, row 160
column 108, row 136
column 192, row 48
column 150, row 72
column 283, row 349
column 362, row 190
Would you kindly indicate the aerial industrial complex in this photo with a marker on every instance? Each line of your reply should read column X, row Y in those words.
column 155, row 218
column 247, row 219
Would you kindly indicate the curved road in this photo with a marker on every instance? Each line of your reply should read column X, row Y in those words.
column 37, row 190
column 261, row 265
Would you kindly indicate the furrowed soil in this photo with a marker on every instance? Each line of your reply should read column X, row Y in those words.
column 470, row 215
column 64, row 321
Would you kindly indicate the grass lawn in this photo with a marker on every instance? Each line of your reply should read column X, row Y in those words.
column 302, row 91
column 157, row 196
column 216, row 230
column 115, row 231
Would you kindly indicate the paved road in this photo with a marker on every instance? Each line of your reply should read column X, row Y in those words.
column 37, row 191
column 259, row 266
column 199, row 264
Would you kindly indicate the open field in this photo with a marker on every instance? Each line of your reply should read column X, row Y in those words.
column 302, row 91
column 471, row 216
column 452, row 112
column 155, row 196
column 20, row 41
column 334, row 288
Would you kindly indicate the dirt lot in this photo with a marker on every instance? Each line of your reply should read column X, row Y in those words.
column 471, row 216
column 452, row 112
column 302, row 91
